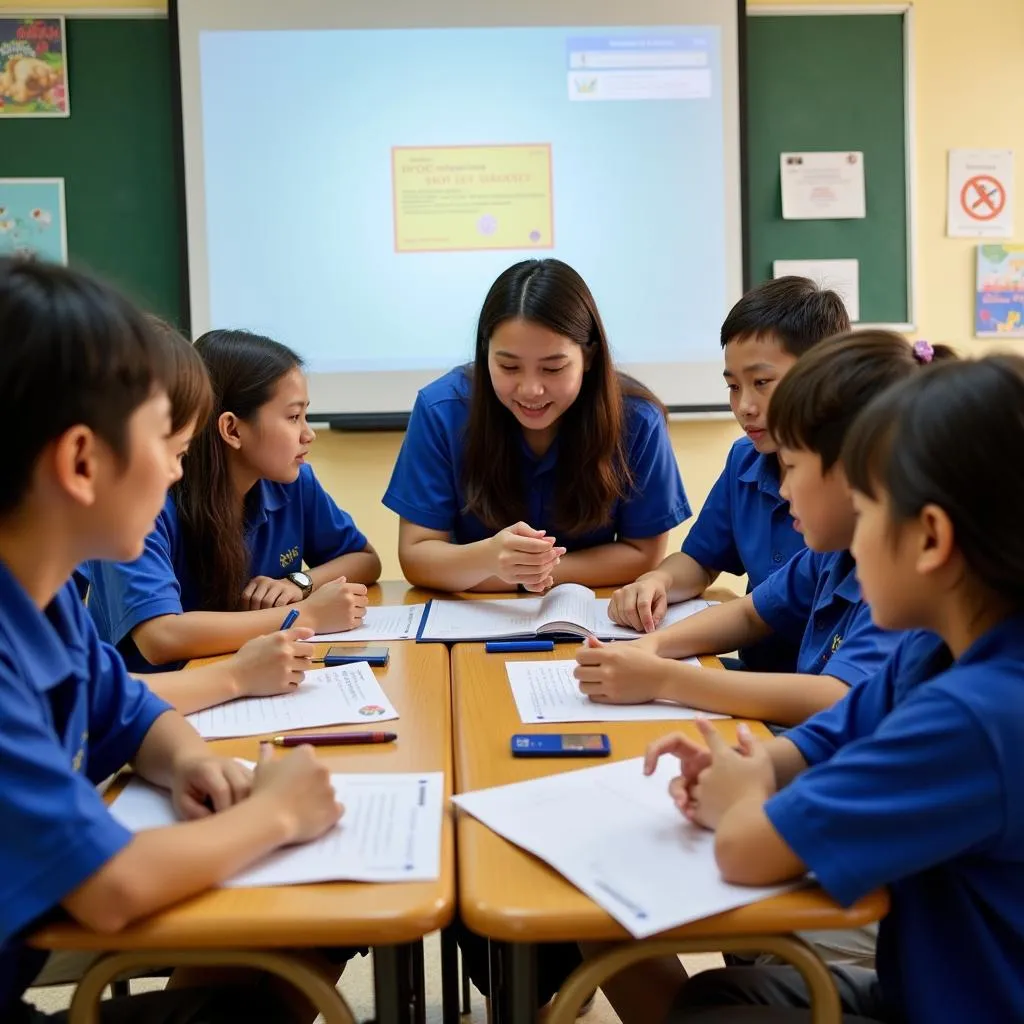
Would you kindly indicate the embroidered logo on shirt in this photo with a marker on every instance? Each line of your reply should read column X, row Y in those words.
column 836, row 641
column 288, row 557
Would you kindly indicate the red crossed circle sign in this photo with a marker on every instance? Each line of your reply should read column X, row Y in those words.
column 983, row 197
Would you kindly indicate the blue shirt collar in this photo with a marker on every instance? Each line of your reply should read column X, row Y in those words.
column 45, row 645
column 1009, row 634
column 267, row 496
column 848, row 588
column 538, row 463
column 763, row 471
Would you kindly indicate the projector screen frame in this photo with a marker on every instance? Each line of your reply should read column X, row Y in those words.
column 398, row 421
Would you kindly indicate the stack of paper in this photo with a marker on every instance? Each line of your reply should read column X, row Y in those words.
column 547, row 691
column 567, row 610
column 390, row 832
column 618, row 837
column 340, row 695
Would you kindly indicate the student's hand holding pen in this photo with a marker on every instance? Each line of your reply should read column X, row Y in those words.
column 273, row 664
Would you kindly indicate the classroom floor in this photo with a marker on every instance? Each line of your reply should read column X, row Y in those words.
column 357, row 987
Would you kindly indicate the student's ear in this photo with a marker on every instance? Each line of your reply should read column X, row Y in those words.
column 936, row 539
column 227, row 427
column 76, row 464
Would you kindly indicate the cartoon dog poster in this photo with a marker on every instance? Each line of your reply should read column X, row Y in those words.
column 33, row 68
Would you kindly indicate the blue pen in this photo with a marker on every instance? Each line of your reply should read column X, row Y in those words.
column 518, row 646
column 289, row 619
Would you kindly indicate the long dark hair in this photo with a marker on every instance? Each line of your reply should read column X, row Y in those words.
column 950, row 437
column 244, row 368
column 591, row 432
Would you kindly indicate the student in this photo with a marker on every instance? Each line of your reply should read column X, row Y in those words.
column 540, row 464
column 745, row 525
column 912, row 782
column 226, row 555
column 815, row 599
column 264, row 666
column 86, row 480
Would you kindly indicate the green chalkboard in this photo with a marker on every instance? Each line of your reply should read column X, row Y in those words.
column 831, row 82
column 815, row 82
column 117, row 155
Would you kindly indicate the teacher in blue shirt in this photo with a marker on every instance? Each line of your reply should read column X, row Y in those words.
column 540, row 463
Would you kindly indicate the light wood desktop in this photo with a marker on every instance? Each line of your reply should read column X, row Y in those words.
column 417, row 682
column 512, row 897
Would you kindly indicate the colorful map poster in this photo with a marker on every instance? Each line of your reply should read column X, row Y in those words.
column 466, row 198
column 32, row 220
column 999, row 301
column 33, row 68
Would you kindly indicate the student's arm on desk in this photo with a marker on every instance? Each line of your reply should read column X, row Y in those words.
column 642, row 605
column 513, row 556
column 749, row 851
column 334, row 606
column 291, row 801
column 357, row 567
column 264, row 667
column 607, row 565
column 717, row 630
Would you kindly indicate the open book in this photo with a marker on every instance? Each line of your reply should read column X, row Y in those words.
column 566, row 611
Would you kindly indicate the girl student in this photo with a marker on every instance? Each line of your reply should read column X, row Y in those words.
column 266, row 665
column 912, row 781
column 227, row 552
column 540, row 463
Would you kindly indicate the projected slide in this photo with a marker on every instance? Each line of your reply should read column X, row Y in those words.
column 363, row 188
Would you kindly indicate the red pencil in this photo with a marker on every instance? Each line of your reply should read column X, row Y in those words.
column 334, row 739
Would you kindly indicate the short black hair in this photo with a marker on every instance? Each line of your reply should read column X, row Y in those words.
column 793, row 310
column 815, row 404
column 72, row 351
column 942, row 438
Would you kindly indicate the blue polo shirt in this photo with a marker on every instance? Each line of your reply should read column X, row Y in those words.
column 286, row 525
column 923, row 794
column 426, row 485
column 745, row 527
column 814, row 600
column 69, row 717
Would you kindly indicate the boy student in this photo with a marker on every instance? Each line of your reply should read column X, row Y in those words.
column 745, row 525
column 814, row 600
column 86, row 479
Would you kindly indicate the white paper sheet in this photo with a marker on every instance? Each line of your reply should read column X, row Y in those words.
column 390, row 832
column 569, row 607
column 616, row 836
column 546, row 691
column 339, row 695
column 823, row 186
column 841, row 276
column 381, row 622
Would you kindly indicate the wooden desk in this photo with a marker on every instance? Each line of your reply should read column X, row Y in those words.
column 389, row 917
column 508, row 895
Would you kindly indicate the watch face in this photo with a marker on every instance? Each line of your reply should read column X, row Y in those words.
column 300, row 579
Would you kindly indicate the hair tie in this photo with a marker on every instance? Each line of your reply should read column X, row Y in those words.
column 923, row 352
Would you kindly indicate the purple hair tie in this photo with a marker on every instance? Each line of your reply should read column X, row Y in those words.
column 923, row 352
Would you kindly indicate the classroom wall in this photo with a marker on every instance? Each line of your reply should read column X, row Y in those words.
column 966, row 68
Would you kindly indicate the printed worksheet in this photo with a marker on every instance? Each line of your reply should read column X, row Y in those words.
column 339, row 695
column 381, row 622
column 390, row 832
column 616, row 836
column 547, row 691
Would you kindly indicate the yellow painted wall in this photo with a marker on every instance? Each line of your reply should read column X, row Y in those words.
column 967, row 63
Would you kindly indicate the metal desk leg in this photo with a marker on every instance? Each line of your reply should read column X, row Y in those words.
column 398, row 984
column 515, row 1000
column 449, row 977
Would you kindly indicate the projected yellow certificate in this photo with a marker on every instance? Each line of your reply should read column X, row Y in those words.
column 463, row 198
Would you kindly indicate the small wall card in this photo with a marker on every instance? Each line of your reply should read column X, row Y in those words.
column 33, row 68
column 32, row 219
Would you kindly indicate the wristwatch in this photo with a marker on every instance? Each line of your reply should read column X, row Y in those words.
column 302, row 581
